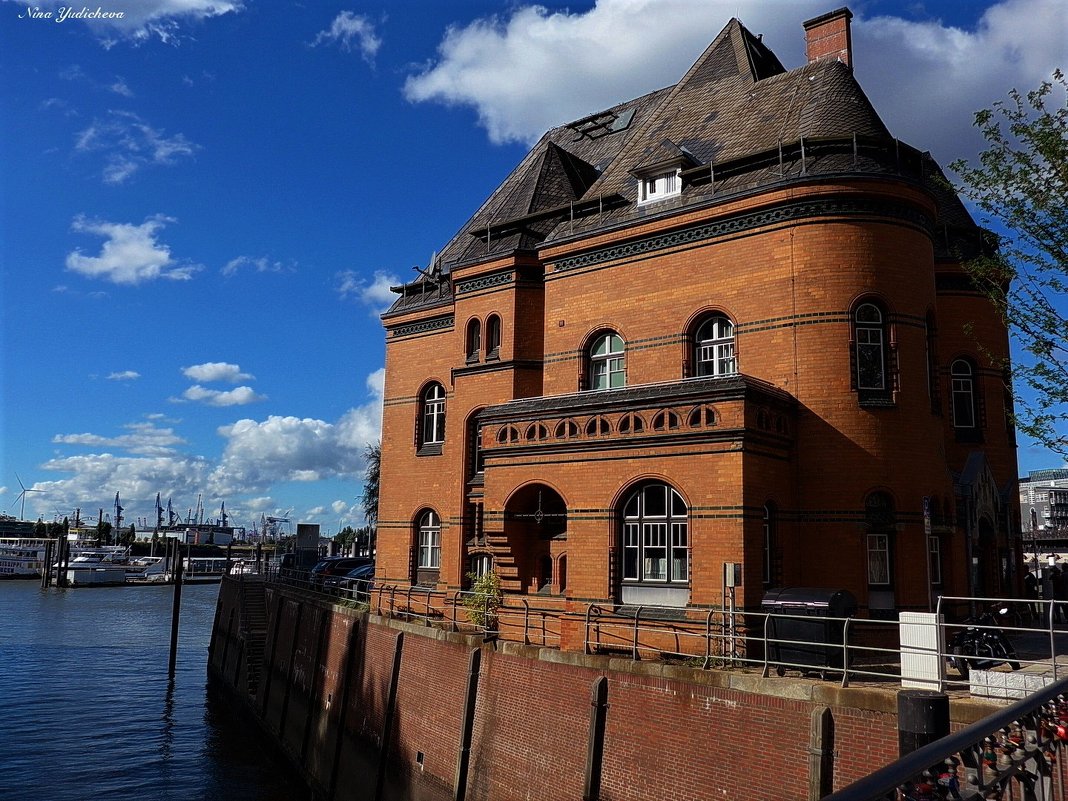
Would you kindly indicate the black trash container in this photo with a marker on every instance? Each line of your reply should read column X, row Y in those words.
column 815, row 640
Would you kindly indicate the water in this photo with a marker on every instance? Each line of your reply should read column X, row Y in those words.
column 87, row 712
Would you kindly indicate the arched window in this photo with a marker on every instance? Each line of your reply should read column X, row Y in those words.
column 879, row 521
column 962, row 376
column 566, row 429
column 655, row 536
column 429, row 541
column 714, row 347
column 869, row 331
column 432, row 414
column 493, row 337
column 474, row 339
column 607, row 363
column 476, row 455
column 479, row 564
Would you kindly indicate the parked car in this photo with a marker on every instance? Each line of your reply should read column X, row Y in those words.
column 358, row 582
column 327, row 571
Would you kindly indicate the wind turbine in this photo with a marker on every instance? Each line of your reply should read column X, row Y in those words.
column 22, row 496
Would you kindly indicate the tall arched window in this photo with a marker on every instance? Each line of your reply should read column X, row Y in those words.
column 429, row 541
column 493, row 337
column 655, row 537
column 879, row 519
column 474, row 339
column 714, row 347
column 432, row 425
column 870, row 333
column 930, row 340
column 962, row 376
column 607, row 362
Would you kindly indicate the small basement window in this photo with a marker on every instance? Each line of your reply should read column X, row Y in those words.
column 659, row 187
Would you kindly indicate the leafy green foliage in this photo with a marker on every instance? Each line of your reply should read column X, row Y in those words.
column 484, row 599
column 1021, row 185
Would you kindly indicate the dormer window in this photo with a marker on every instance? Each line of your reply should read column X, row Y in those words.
column 659, row 187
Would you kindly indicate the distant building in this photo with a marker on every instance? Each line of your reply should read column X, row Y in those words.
column 1044, row 510
column 719, row 324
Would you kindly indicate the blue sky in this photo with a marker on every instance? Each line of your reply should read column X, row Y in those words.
column 204, row 203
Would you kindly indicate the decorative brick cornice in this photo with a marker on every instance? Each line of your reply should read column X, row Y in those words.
column 422, row 327
column 484, row 282
column 785, row 213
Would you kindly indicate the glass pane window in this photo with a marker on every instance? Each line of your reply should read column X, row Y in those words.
column 963, row 385
column 433, row 430
column 878, row 559
column 934, row 551
column 871, row 355
column 660, row 186
column 608, row 363
column 429, row 541
column 655, row 536
column 715, row 347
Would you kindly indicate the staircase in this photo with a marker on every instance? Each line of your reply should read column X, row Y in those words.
column 253, row 629
column 504, row 563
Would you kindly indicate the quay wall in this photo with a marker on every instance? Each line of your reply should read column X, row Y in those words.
column 372, row 708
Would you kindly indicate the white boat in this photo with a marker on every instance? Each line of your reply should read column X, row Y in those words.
column 21, row 557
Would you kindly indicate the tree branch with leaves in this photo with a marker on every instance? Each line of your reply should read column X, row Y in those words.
column 1020, row 184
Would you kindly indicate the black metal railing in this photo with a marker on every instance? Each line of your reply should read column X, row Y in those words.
column 1016, row 753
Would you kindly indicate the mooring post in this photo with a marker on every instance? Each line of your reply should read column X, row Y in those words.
column 595, row 752
column 387, row 723
column 176, row 607
column 922, row 718
column 474, row 664
column 46, row 564
column 821, row 754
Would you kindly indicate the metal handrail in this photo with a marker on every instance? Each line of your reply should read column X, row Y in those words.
column 884, row 783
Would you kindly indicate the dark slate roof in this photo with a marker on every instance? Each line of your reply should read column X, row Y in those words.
column 736, row 113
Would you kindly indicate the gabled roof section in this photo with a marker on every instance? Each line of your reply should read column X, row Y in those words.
column 735, row 123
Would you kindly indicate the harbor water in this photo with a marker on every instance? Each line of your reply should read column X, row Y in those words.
column 87, row 710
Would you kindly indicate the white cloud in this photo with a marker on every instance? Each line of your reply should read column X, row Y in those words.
column 216, row 371
column 375, row 293
column 339, row 507
column 142, row 439
column 143, row 20
column 125, row 375
column 128, row 144
column 533, row 69
column 351, row 32
column 120, row 87
column 262, row 453
column 260, row 265
column 239, row 396
column 130, row 255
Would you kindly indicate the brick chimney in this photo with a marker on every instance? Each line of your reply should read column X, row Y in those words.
column 827, row 36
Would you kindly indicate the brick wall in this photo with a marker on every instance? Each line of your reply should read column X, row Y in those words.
column 669, row 731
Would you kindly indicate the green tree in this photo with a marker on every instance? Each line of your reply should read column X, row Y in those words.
column 128, row 535
column 103, row 532
column 40, row 530
column 369, row 500
column 1020, row 183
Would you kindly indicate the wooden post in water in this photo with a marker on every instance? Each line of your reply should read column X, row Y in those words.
column 46, row 564
column 176, row 608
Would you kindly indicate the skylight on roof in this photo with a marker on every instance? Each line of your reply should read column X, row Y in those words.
column 598, row 125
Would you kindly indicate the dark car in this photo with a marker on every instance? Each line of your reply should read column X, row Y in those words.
column 358, row 582
column 329, row 570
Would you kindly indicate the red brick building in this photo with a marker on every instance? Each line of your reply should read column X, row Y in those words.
column 722, row 323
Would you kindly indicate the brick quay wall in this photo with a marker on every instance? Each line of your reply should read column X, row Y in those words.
column 372, row 708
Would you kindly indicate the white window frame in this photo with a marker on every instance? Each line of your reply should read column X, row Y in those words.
column 871, row 346
column 429, row 542
column 714, row 349
column 432, row 426
column 661, row 186
column 962, row 378
column 608, row 370
column 879, row 559
column 656, row 545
